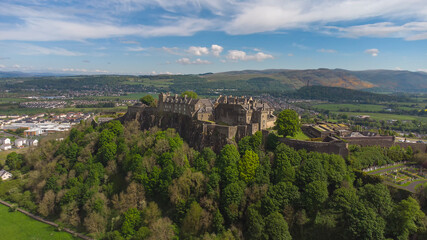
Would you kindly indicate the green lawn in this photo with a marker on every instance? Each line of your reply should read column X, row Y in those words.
column 16, row 225
column 300, row 136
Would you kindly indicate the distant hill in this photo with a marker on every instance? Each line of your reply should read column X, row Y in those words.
column 247, row 82
column 341, row 95
column 375, row 80
column 17, row 74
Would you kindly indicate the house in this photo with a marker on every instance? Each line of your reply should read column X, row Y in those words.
column 20, row 142
column 5, row 175
column 6, row 147
column 5, row 141
column 33, row 142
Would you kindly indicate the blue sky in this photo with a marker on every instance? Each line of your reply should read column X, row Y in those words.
column 197, row 36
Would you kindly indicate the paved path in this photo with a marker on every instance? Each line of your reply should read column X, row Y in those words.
column 412, row 185
column 386, row 169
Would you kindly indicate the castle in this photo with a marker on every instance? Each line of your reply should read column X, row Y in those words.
column 226, row 110
column 202, row 122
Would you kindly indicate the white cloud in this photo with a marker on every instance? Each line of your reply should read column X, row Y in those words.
column 237, row 55
column 83, row 70
column 290, row 54
column 173, row 50
column 136, row 49
column 187, row 61
column 2, row 66
column 373, row 52
column 322, row 50
column 409, row 31
column 30, row 49
column 198, row 51
column 216, row 50
column 97, row 19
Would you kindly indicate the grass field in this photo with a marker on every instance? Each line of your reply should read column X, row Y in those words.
column 16, row 225
column 350, row 107
column 3, row 154
column 346, row 107
column 386, row 116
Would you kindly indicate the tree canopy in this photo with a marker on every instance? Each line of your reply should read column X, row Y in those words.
column 190, row 94
column 287, row 123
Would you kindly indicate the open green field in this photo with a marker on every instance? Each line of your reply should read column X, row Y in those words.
column 159, row 83
column 3, row 154
column 16, row 225
column 351, row 107
column 386, row 116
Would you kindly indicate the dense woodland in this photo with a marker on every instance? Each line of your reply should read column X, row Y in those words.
column 118, row 182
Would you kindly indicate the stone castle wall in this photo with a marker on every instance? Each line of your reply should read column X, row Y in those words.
column 340, row 148
column 382, row 141
column 196, row 133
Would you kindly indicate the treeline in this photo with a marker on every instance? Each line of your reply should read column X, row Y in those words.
column 364, row 157
column 117, row 182
column 336, row 94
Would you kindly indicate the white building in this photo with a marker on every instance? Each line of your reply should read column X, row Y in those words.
column 20, row 142
column 5, row 141
column 6, row 147
column 5, row 175
column 33, row 142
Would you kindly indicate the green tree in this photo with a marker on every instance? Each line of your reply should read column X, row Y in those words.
column 406, row 218
column 192, row 222
column 131, row 222
column 254, row 223
column 276, row 227
column 378, row 197
column 231, row 197
column 282, row 168
column 148, row 100
column 190, row 94
column 248, row 165
column 315, row 194
column 14, row 161
column 335, row 168
column 362, row 222
column 287, row 123
column 311, row 170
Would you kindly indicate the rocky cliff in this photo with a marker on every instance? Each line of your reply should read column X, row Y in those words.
column 196, row 133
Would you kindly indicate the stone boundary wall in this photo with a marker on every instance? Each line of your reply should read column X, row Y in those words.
column 382, row 141
column 416, row 147
column 76, row 234
column 340, row 148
